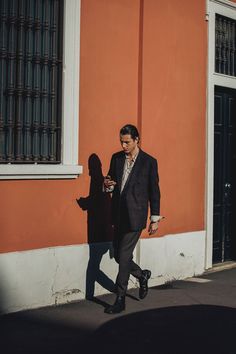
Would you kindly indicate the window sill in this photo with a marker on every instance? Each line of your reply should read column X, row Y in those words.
column 40, row 171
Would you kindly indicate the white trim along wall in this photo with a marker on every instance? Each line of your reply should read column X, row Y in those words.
column 228, row 9
column 69, row 167
column 57, row 275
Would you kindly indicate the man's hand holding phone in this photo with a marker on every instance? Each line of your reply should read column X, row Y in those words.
column 108, row 182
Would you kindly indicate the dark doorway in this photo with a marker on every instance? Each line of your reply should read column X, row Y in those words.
column 224, row 245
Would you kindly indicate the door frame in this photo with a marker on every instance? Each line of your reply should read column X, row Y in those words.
column 228, row 9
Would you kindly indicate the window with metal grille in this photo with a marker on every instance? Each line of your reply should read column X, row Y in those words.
column 225, row 43
column 30, row 81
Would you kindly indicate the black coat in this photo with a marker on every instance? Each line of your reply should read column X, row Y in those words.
column 130, row 208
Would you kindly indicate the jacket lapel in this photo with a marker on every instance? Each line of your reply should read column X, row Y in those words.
column 119, row 169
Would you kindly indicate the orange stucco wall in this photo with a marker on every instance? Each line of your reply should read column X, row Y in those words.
column 149, row 71
column 174, row 106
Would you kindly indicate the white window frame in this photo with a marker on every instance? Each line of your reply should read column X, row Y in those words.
column 228, row 9
column 69, row 167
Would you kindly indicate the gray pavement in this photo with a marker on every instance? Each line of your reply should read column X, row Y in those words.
column 197, row 315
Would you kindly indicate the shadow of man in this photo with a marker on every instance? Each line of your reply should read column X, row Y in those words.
column 100, row 231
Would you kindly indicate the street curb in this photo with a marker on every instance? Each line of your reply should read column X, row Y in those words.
column 220, row 267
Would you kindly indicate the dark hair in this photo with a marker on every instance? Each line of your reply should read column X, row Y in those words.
column 131, row 130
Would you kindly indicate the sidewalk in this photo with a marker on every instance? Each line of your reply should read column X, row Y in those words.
column 197, row 315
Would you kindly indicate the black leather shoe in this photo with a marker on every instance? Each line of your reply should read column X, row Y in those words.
column 118, row 306
column 143, row 283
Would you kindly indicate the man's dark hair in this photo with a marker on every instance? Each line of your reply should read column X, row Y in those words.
column 131, row 130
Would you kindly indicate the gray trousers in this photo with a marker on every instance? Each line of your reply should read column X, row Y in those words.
column 124, row 244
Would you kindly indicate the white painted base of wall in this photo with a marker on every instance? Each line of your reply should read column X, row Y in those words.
column 50, row 276
column 174, row 256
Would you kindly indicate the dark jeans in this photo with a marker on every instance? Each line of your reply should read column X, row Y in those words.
column 124, row 244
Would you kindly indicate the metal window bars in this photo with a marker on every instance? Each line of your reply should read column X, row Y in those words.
column 30, row 80
column 225, row 42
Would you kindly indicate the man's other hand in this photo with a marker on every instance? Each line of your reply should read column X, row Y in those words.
column 153, row 227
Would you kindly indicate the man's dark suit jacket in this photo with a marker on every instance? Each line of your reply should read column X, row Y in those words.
column 130, row 208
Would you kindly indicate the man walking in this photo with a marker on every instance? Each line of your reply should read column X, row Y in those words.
column 133, row 181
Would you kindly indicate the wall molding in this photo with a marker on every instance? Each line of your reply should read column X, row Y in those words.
column 228, row 9
column 225, row 3
column 69, row 167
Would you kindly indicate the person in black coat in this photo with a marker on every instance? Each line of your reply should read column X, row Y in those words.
column 134, row 183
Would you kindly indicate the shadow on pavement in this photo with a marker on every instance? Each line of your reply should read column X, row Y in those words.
column 24, row 333
column 172, row 330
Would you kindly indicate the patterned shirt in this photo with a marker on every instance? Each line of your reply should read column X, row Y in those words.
column 129, row 164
